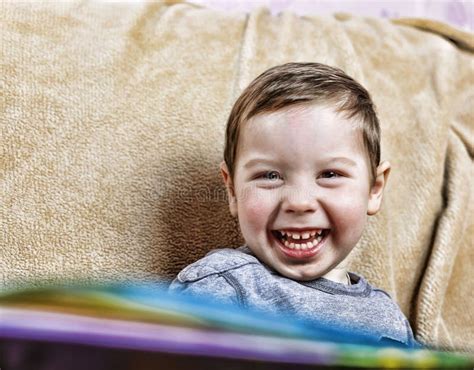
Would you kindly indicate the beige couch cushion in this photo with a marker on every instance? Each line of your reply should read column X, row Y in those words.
column 112, row 127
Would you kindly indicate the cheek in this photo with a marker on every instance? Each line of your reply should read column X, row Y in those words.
column 350, row 215
column 254, row 209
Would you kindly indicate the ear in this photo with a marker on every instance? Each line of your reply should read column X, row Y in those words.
column 376, row 192
column 230, row 189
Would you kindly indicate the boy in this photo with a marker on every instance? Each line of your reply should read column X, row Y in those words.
column 302, row 171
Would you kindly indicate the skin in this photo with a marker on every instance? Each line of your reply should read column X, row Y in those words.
column 287, row 175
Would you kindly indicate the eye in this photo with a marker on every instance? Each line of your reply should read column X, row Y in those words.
column 271, row 175
column 329, row 175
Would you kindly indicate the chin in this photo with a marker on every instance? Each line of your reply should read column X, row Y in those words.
column 299, row 274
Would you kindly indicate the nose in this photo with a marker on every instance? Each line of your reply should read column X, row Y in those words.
column 300, row 199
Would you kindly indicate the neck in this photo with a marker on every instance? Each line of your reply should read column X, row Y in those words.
column 338, row 275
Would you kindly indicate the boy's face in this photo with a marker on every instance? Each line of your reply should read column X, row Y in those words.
column 302, row 189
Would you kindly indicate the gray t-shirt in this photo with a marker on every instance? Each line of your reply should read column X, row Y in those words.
column 236, row 276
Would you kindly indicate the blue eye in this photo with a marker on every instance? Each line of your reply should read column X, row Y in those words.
column 271, row 175
column 329, row 175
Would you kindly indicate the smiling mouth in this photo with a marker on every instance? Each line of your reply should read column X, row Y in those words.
column 300, row 244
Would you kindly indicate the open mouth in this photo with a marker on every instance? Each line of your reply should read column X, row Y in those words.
column 301, row 244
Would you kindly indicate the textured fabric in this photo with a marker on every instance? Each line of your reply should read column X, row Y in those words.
column 236, row 276
column 112, row 124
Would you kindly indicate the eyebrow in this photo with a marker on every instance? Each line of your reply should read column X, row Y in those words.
column 255, row 161
column 342, row 160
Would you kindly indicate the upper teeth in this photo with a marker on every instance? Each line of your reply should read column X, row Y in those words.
column 303, row 235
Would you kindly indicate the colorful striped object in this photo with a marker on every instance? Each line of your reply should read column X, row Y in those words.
column 145, row 317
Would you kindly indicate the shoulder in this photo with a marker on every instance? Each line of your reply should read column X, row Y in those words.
column 369, row 289
column 217, row 262
column 212, row 276
column 397, row 326
column 378, row 299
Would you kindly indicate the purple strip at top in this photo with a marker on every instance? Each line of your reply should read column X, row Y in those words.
column 67, row 328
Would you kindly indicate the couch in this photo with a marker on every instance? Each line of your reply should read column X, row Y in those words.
column 112, row 128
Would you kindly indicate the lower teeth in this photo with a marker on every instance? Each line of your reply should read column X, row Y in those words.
column 303, row 246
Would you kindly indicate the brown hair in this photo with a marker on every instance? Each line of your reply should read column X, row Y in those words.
column 297, row 83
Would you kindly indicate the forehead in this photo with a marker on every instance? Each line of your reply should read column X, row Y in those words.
column 300, row 131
